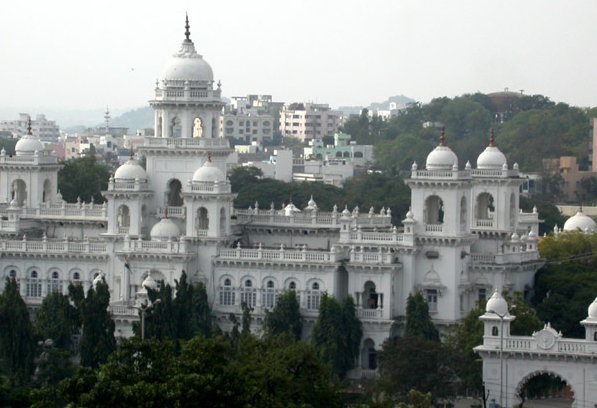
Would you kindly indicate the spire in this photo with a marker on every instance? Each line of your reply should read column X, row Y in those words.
column 442, row 138
column 187, row 33
column 209, row 157
column 132, row 154
column 491, row 139
column 29, row 126
column 166, row 213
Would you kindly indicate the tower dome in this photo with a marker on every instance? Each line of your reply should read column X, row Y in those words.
column 187, row 64
column 593, row 309
column 165, row 229
column 442, row 157
column 28, row 144
column 497, row 304
column 491, row 157
column 208, row 173
column 581, row 222
column 130, row 170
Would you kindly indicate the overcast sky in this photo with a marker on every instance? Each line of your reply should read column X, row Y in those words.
column 89, row 54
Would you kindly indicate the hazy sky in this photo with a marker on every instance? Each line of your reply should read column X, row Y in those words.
column 89, row 54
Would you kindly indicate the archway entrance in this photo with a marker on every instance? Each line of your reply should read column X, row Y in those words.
column 545, row 389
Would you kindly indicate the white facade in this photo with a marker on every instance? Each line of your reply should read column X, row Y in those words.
column 462, row 238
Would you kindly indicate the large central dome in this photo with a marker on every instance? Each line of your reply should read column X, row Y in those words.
column 187, row 64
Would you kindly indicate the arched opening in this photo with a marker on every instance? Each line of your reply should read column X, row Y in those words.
column 434, row 210
column 292, row 286
column 358, row 155
column 314, row 296
column 318, row 156
column 143, row 216
column 270, row 295
column 19, row 191
column 55, row 284
column 197, row 127
column 158, row 131
column 495, row 331
column 33, row 284
column 47, row 191
column 124, row 217
column 485, row 206
column 369, row 296
column 548, row 388
column 346, row 154
column 213, row 128
column 369, row 355
column 339, row 154
column 175, row 127
column 76, row 277
column 248, row 294
column 463, row 213
column 223, row 228
column 173, row 195
column 227, row 294
column 513, row 211
column 202, row 219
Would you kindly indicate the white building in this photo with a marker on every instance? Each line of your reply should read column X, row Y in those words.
column 44, row 129
column 247, row 125
column 463, row 238
column 309, row 121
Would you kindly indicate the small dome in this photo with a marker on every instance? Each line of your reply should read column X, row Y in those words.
column 346, row 212
column 491, row 158
column 581, row 222
column 593, row 309
column 441, row 158
column 291, row 209
column 130, row 170
column 208, row 173
column 311, row 205
column 410, row 215
column 515, row 237
column 97, row 280
column 497, row 304
column 165, row 229
column 149, row 283
column 27, row 145
column 187, row 65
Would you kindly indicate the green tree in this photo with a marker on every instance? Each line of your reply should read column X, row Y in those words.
column 527, row 322
column 241, row 176
column 97, row 340
column 17, row 341
column 337, row 334
column 57, row 319
column 418, row 321
column 83, row 177
column 286, row 316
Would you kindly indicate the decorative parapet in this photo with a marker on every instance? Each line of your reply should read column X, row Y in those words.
column 441, row 174
column 280, row 255
column 140, row 246
column 52, row 246
column 191, row 143
column 507, row 258
column 171, row 212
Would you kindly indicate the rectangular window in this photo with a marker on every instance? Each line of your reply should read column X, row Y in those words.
column 432, row 299
column 269, row 298
column 313, row 299
column 248, row 296
column 227, row 296
column 55, row 286
column 482, row 294
column 33, row 288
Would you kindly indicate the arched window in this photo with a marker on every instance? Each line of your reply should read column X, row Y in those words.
column 159, row 129
column 318, row 156
column 270, row 295
column 495, row 331
column 434, row 210
column 214, row 128
column 229, row 123
column 369, row 296
column 513, row 211
column 173, row 196
column 124, row 219
column 270, row 284
column 202, row 219
column 314, row 296
column 76, row 276
column 369, row 355
column 431, row 295
column 346, row 154
column 248, row 294
column 175, row 127
column 463, row 214
column 198, row 127
column 144, row 216
column 55, row 285
column 292, row 286
column 33, row 285
column 12, row 274
column 227, row 293
column 358, row 155
column 47, row 192
column 19, row 191
column 338, row 154
column 223, row 228
column 485, row 206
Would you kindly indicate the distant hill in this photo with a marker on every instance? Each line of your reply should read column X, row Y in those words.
column 136, row 119
column 401, row 100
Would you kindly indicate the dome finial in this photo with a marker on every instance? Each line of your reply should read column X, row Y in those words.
column 187, row 33
column 29, row 126
column 442, row 138
column 131, row 154
column 491, row 138
column 209, row 157
column 166, row 212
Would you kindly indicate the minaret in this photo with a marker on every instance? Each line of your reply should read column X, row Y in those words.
column 107, row 118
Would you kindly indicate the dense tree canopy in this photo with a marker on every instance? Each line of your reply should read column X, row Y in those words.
column 418, row 321
column 83, row 177
column 57, row 319
column 17, row 341
column 286, row 316
column 337, row 334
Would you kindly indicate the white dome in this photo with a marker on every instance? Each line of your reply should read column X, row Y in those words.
column 290, row 209
column 593, row 309
column 130, row 171
column 165, row 229
column 187, row 65
column 491, row 158
column 581, row 222
column 209, row 173
column 27, row 145
column 441, row 158
column 497, row 304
